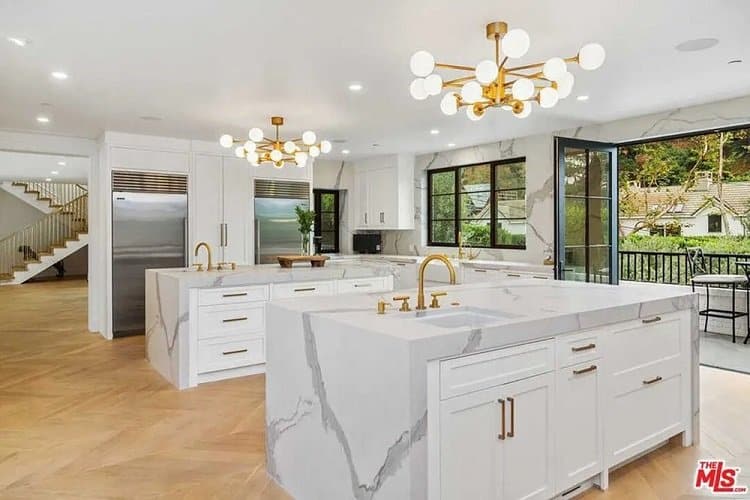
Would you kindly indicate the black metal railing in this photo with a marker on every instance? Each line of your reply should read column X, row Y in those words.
column 672, row 267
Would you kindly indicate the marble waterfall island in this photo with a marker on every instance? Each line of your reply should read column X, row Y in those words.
column 525, row 389
column 210, row 325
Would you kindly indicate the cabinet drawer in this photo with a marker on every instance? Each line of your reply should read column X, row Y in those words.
column 643, row 342
column 223, row 354
column 232, row 295
column 218, row 321
column 487, row 369
column 305, row 289
column 578, row 348
column 479, row 275
column 362, row 285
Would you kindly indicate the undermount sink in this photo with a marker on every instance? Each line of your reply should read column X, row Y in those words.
column 462, row 316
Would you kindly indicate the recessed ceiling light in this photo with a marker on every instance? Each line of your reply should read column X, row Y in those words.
column 54, row 172
column 451, row 144
column 434, row 131
column 582, row 98
column 42, row 119
column 697, row 44
column 355, row 86
column 20, row 42
column 61, row 163
column 48, row 179
column 59, row 75
column 345, row 151
column 735, row 61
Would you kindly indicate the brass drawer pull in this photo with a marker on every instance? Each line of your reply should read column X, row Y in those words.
column 512, row 431
column 311, row 289
column 230, row 320
column 480, row 270
column 584, row 370
column 502, row 419
column 652, row 381
column 652, row 320
column 238, row 351
column 586, row 347
column 362, row 285
column 513, row 275
column 243, row 294
column 541, row 277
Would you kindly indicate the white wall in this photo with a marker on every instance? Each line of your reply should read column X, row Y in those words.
column 15, row 214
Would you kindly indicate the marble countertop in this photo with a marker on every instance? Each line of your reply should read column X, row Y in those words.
column 417, row 259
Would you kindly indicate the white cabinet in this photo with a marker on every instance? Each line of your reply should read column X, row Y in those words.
column 222, row 206
column 385, row 193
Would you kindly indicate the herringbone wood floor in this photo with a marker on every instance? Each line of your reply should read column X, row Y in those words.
column 82, row 417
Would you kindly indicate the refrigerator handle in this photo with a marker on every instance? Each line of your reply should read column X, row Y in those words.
column 257, row 241
column 186, row 257
column 226, row 234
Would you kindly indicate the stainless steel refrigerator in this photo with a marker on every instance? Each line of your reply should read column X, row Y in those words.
column 149, row 231
column 276, row 229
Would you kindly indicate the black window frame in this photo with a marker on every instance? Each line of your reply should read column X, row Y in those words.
column 317, row 228
column 714, row 219
column 494, row 165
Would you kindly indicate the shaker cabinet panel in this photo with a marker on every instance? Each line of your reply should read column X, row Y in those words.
column 207, row 204
column 237, row 210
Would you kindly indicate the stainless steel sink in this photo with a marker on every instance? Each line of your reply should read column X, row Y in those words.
column 457, row 317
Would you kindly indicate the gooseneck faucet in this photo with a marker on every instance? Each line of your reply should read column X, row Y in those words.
column 208, row 250
column 423, row 267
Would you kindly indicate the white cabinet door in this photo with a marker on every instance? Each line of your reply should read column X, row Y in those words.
column 382, row 197
column 527, row 465
column 207, row 204
column 236, row 210
column 579, row 419
column 470, row 448
column 363, row 218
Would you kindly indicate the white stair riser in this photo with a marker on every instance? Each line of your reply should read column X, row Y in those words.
column 48, row 260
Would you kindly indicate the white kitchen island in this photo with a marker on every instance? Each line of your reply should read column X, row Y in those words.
column 525, row 389
column 203, row 326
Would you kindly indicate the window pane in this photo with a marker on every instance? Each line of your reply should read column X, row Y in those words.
column 598, row 221
column 475, row 205
column 329, row 240
column 327, row 221
column 443, row 182
column 599, row 174
column 443, row 231
column 511, row 232
column 575, row 264
column 575, row 172
column 476, row 232
column 510, row 175
column 599, row 264
column 443, row 207
column 510, row 204
column 575, row 221
column 476, row 178
column 327, row 202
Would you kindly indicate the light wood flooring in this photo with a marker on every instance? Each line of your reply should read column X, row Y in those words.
column 82, row 417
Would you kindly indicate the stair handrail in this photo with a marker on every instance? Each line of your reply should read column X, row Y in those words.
column 59, row 193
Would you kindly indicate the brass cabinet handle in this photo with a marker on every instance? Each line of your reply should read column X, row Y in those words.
column 480, row 270
column 652, row 320
column 513, row 275
column 502, row 419
column 238, row 351
column 652, row 381
column 230, row 320
column 541, row 277
column 311, row 289
column 583, row 348
column 362, row 285
column 512, row 431
column 584, row 370
column 235, row 294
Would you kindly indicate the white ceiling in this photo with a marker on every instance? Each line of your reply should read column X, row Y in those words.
column 209, row 67
column 15, row 166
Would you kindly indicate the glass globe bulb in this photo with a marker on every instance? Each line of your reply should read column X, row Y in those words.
column 300, row 157
column 422, row 63
column 290, row 147
column 433, row 84
column 253, row 158
column 308, row 137
column 472, row 115
column 278, row 164
column 276, row 155
column 239, row 152
column 516, row 43
column 565, row 85
column 471, row 91
column 255, row 134
column 249, row 146
column 591, row 56
column 554, row 69
column 522, row 89
column 314, row 151
column 548, row 97
column 526, row 111
column 417, row 89
column 486, row 71
column 325, row 146
column 449, row 104
column 226, row 140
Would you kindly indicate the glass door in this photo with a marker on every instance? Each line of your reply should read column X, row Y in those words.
column 586, row 211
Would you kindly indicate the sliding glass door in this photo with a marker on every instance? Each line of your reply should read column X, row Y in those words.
column 586, row 211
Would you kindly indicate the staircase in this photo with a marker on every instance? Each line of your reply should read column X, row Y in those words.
column 44, row 196
column 46, row 242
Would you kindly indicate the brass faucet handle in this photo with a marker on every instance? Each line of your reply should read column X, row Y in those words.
column 382, row 304
column 220, row 266
column 234, row 266
column 405, row 304
column 198, row 267
column 435, row 304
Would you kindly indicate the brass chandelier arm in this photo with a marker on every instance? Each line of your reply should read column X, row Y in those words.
column 572, row 59
column 454, row 66
column 458, row 80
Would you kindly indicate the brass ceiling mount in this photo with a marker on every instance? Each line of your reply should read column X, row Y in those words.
column 277, row 121
column 496, row 30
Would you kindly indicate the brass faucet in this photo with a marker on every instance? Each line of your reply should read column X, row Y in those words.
column 210, row 266
column 423, row 267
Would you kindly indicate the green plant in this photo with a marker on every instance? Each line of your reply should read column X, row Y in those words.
column 305, row 219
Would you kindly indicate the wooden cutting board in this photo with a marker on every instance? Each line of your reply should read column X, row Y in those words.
column 314, row 260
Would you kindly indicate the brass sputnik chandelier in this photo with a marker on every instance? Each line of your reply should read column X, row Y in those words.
column 495, row 84
column 258, row 149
